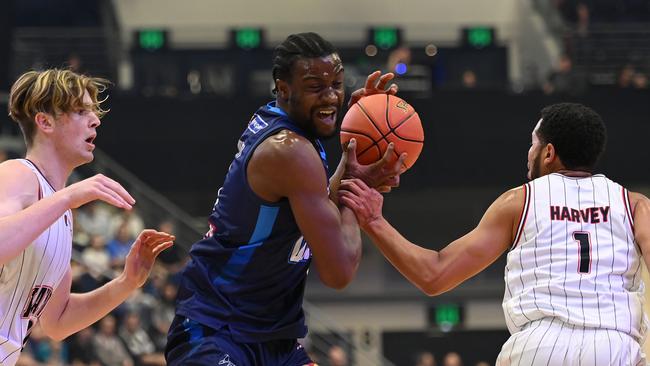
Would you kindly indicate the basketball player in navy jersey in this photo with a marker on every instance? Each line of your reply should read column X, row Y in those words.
column 58, row 112
column 240, row 297
column 575, row 243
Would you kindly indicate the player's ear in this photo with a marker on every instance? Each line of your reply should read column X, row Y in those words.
column 44, row 121
column 283, row 89
column 550, row 155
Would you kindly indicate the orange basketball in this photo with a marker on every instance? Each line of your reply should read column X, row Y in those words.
column 378, row 120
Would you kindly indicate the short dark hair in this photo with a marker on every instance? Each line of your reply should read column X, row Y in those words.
column 576, row 131
column 297, row 46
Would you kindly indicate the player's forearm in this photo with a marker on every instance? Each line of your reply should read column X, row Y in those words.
column 19, row 230
column 351, row 237
column 417, row 264
column 338, row 265
column 83, row 310
column 335, row 182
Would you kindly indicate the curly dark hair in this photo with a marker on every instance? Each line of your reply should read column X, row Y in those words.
column 576, row 131
column 297, row 46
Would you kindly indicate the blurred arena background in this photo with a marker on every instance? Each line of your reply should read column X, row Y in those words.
column 188, row 74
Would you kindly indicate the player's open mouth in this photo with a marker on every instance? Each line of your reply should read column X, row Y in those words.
column 328, row 116
column 90, row 140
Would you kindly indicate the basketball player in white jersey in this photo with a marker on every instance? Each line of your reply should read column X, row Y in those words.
column 575, row 242
column 58, row 112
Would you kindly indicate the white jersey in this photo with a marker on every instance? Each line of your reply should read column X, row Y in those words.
column 574, row 258
column 27, row 282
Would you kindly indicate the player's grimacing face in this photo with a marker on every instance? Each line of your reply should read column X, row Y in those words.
column 534, row 155
column 316, row 94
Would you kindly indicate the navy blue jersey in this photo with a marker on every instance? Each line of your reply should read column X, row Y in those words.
column 248, row 274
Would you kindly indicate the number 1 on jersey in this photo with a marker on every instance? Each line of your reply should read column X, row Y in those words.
column 584, row 242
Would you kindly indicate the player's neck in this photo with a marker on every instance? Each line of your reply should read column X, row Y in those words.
column 574, row 173
column 52, row 168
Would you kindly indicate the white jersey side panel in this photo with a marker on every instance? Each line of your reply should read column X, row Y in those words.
column 575, row 257
column 27, row 282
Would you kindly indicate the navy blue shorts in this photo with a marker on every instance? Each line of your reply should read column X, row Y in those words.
column 191, row 343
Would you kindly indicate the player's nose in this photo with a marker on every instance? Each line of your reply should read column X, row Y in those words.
column 330, row 95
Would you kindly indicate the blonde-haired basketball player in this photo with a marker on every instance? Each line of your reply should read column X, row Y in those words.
column 58, row 112
column 575, row 243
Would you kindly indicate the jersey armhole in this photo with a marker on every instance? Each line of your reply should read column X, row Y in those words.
column 32, row 167
column 628, row 207
column 249, row 156
column 523, row 216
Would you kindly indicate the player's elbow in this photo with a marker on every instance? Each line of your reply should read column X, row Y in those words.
column 338, row 279
column 59, row 336
column 429, row 283
column 431, row 290
column 55, row 333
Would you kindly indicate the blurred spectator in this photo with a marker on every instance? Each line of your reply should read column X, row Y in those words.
column 452, row 359
column 110, row 349
column 83, row 280
column 3, row 155
column 141, row 303
column 95, row 218
column 564, row 80
column 80, row 238
column 400, row 55
column 163, row 314
column 139, row 343
column 26, row 359
column 45, row 350
column 82, row 350
column 74, row 63
column 425, row 359
column 469, row 79
column 482, row 363
column 625, row 76
column 95, row 257
column 119, row 247
column 172, row 258
column 640, row 81
column 313, row 356
column 582, row 23
column 337, row 356
column 131, row 219
column 76, row 270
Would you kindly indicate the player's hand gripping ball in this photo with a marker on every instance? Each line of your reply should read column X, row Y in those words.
column 377, row 120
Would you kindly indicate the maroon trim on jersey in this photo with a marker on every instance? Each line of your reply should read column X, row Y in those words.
column 43, row 175
column 523, row 216
column 38, row 298
column 628, row 208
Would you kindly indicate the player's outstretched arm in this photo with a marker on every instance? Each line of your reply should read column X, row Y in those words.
column 641, row 214
column 435, row 272
column 67, row 313
column 287, row 166
column 23, row 217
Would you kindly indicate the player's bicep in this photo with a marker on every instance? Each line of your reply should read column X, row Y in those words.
column 318, row 219
column 287, row 165
column 316, row 215
column 56, row 306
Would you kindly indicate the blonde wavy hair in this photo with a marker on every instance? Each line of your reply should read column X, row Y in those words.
column 54, row 92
